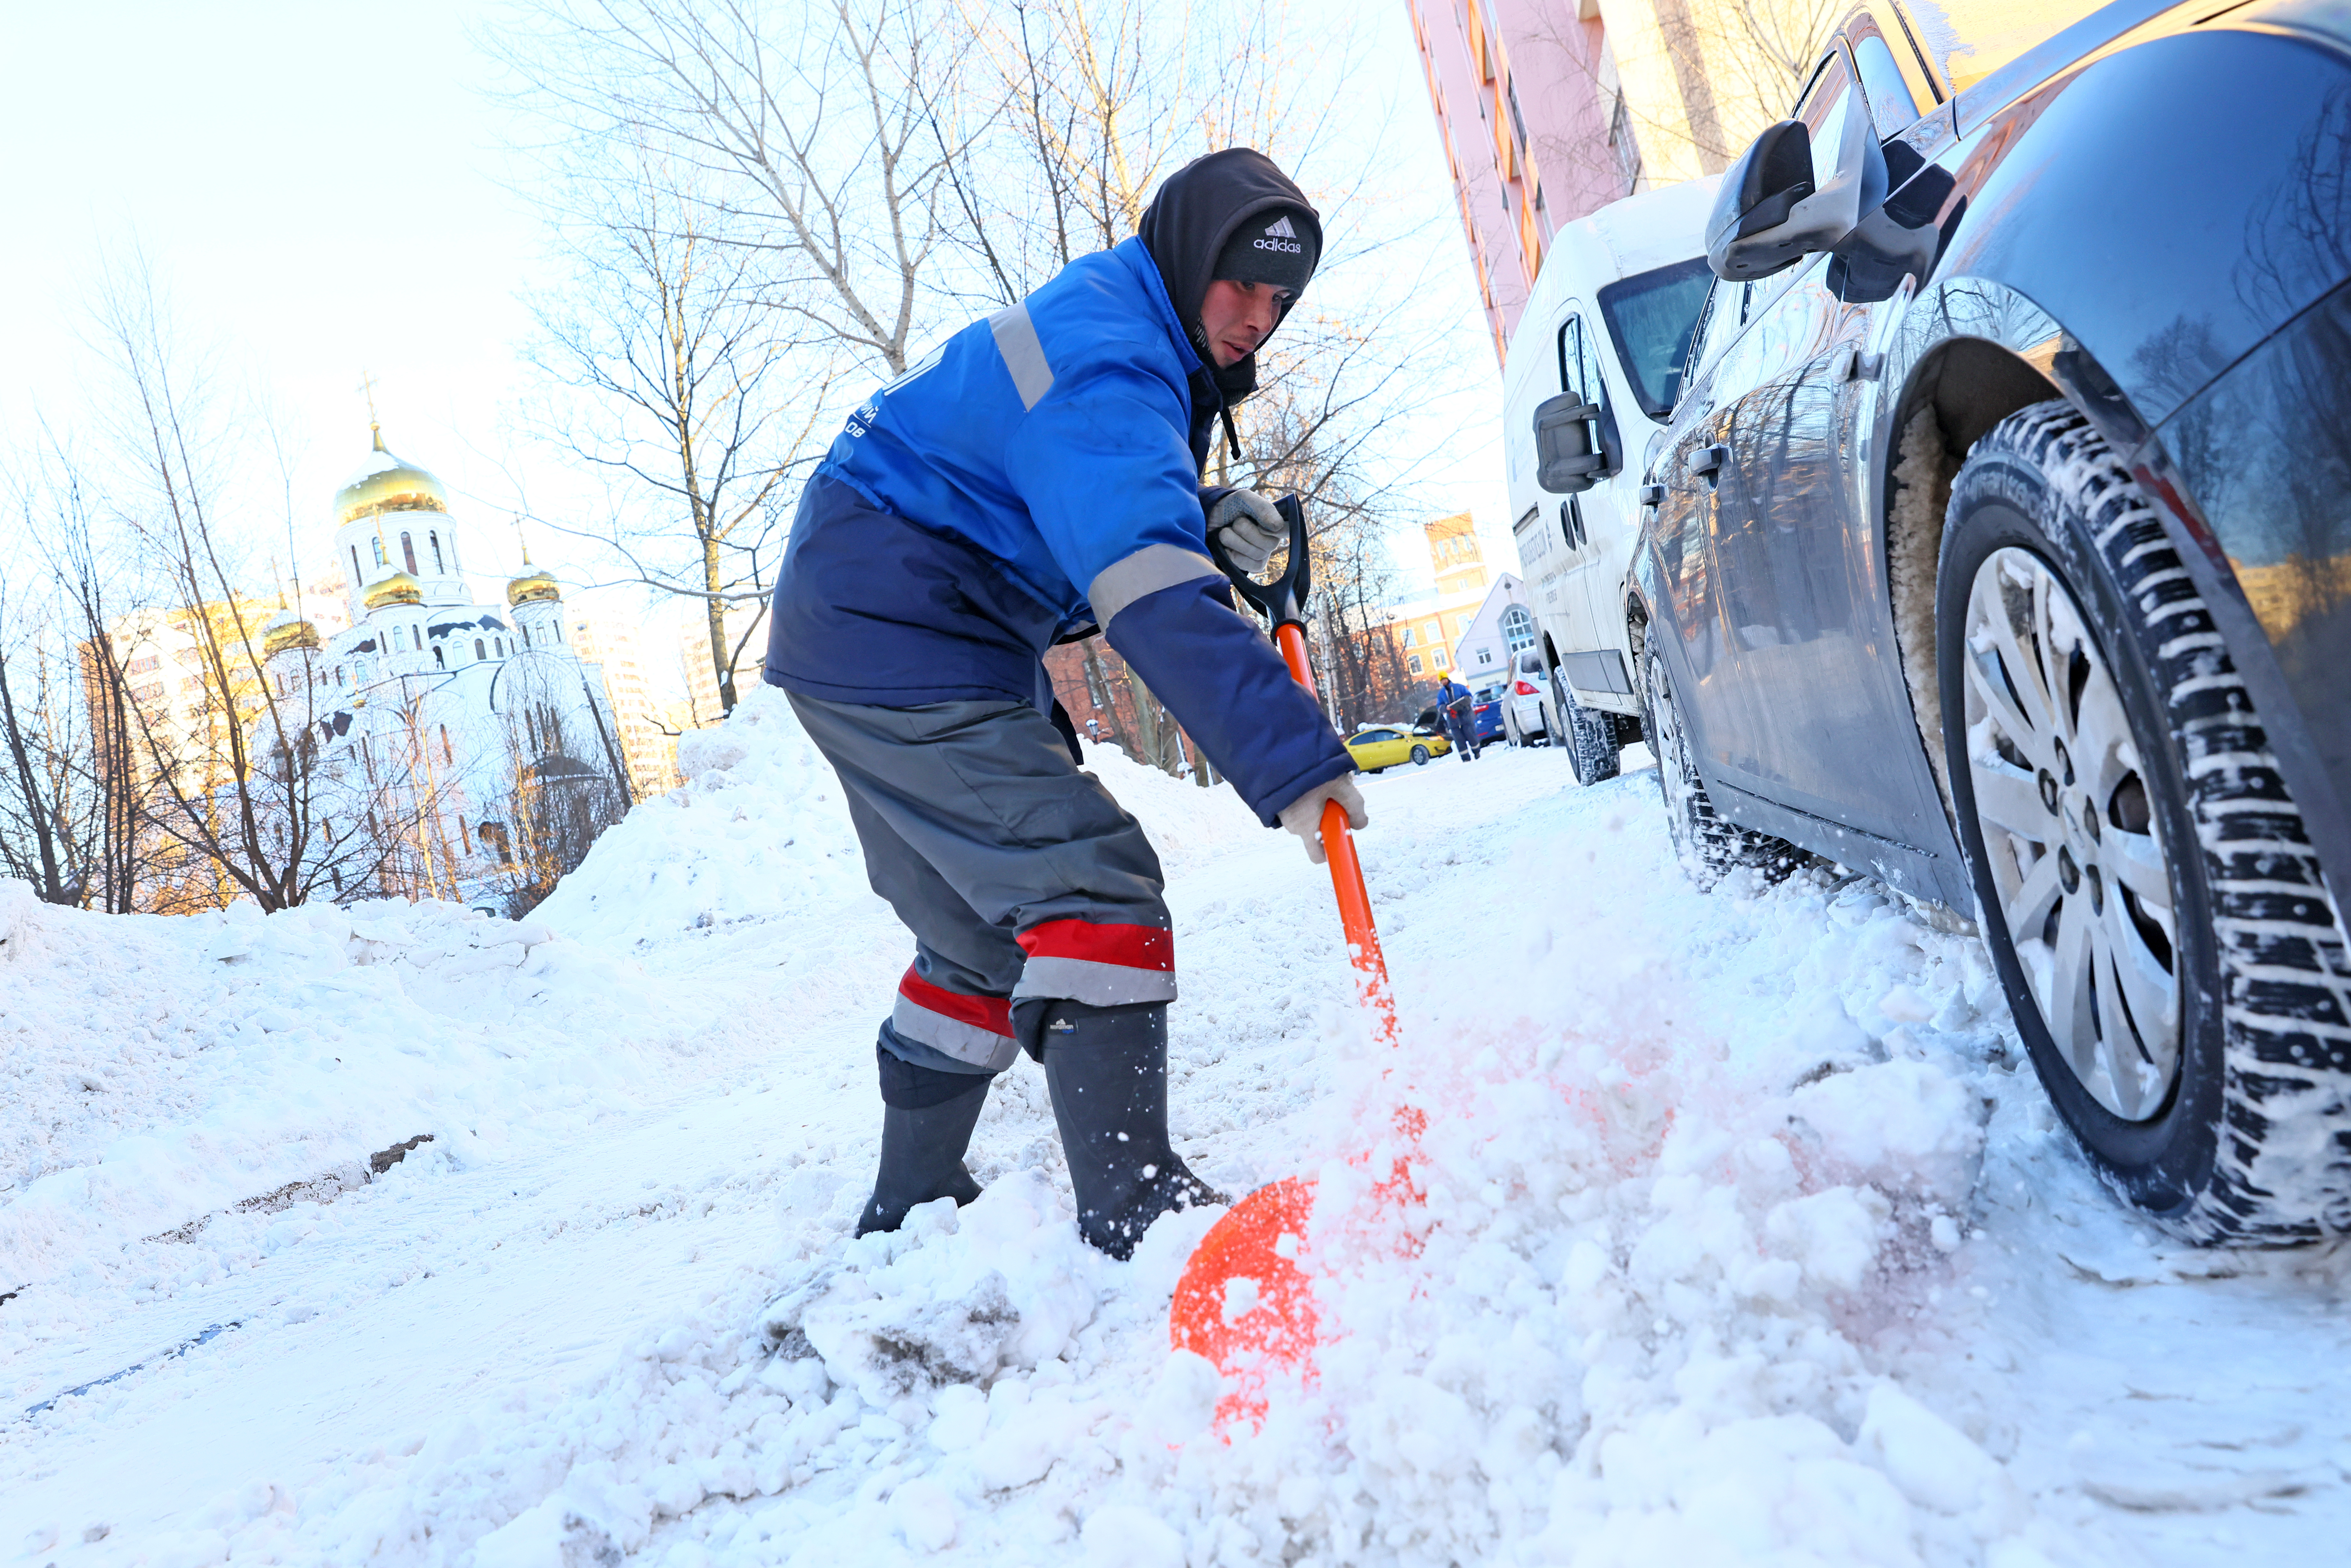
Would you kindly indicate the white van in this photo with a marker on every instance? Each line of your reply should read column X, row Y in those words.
column 1593, row 373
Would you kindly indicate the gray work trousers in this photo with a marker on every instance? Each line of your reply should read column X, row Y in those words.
column 1019, row 876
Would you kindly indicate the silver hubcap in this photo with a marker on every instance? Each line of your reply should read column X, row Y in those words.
column 2075, row 856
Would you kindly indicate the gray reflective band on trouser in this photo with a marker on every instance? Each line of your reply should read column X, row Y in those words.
column 952, row 1037
column 1024, row 356
column 1096, row 985
column 1147, row 570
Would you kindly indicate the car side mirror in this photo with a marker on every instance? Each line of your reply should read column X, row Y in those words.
column 1569, row 460
column 1789, row 196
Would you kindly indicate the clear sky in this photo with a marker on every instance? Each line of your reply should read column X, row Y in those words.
column 317, row 181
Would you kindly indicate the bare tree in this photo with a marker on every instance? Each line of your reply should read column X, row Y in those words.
column 666, row 374
column 816, row 125
column 566, row 788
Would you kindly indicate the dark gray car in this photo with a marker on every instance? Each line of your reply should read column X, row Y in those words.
column 2002, row 547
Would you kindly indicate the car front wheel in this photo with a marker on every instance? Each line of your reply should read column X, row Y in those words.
column 1419, row 756
column 2172, row 955
column 1708, row 847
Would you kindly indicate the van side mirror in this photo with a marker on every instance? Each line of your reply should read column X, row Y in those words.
column 1789, row 196
column 1568, row 459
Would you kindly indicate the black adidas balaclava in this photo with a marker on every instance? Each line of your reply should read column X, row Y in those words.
column 1199, row 227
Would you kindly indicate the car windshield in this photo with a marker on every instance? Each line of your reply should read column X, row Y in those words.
column 1651, row 315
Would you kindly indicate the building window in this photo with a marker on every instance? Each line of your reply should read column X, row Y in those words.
column 480, row 652
column 408, row 551
column 355, row 567
column 1484, row 655
column 434, row 538
column 502, row 647
column 1407, row 636
column 1436, row 658
column 440, row 661
column 558, row 630
column 447, row 755
column 1627, row 150
column 338, row 675
column 1412, row 663
column 1517, row 627
column 381, row 559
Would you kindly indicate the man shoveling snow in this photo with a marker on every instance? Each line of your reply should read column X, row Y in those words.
column 1035, row 479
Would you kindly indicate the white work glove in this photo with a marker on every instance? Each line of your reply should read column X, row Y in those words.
column 1250, row 526
column 1303, row 816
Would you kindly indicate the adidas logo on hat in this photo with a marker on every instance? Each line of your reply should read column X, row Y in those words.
column 1280, row 235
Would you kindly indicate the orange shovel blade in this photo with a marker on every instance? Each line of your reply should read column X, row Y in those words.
column 1243, row 1303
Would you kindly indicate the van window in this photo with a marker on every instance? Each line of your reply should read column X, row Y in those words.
column 1652, row 314
column 1891, row 107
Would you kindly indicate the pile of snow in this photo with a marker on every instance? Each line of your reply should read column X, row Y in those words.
column 1741, row 1233
column 759, row 830
column 1660, row 1302
column 158, row 1070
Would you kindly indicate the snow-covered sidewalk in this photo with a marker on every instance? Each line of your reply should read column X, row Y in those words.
column 1748, row 1234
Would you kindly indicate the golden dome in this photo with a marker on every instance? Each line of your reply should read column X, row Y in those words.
column 398, row 588
column 388, row 484
column 532, row 587
column 286, row 629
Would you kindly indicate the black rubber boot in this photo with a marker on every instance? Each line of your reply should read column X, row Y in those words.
column 1106, row 1069
column 927, row 1116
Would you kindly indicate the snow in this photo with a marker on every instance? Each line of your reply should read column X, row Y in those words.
column 1745, row 1234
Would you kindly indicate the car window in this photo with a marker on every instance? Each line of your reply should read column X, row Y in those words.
column 1827, row 92
column 1652, row 314
column 1371, row 734
column 1891, row 108
column 1531, row 662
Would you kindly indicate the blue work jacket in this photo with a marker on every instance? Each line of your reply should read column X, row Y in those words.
column 1032, row 479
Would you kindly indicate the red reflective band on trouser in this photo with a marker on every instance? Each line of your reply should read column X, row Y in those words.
column 974, row 1030
column 993, row 1014
column 1102, row 964
column 1134, row 946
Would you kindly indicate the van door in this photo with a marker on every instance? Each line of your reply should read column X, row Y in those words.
column 1593, row 531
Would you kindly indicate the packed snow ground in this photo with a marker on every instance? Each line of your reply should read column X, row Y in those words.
column 1747, row 1236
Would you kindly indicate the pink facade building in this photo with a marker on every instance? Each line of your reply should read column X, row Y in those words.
column 1517, row 89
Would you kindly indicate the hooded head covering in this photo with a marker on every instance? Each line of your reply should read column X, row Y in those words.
column 1193, row 223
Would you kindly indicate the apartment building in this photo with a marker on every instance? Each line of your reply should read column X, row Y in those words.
column 647, row 748
column 1549, row 109
column 746, row 641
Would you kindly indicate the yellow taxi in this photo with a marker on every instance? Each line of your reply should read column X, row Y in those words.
column 1380, row 745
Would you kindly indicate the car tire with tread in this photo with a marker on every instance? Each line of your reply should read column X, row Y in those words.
column 2249, row 1140
column 1590, row 738
column 1709, row 846
column 1420, row 757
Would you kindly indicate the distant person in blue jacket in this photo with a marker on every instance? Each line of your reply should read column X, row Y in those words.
column 1460, row 711
column 1035, row 480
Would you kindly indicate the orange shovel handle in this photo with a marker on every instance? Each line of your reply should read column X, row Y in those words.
column 1347, row 874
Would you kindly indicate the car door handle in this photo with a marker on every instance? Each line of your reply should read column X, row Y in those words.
column 1652, row 495
column 1709, row 460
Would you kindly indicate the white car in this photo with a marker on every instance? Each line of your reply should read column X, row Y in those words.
column 1593, row 371
column 1526, row 700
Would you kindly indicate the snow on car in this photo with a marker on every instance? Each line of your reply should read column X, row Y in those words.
column 1743, row 1234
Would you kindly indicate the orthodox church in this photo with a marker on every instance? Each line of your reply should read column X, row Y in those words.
column 467, row 742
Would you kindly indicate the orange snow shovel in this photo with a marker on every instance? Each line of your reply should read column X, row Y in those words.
column 1243, row 1302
